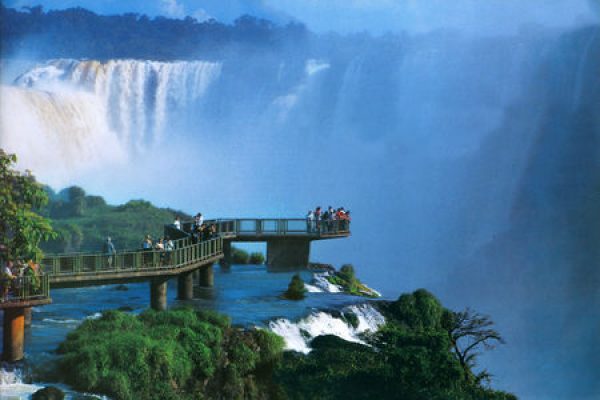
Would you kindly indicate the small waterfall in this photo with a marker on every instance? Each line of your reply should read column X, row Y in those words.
column 298, row 334
column 12, row 386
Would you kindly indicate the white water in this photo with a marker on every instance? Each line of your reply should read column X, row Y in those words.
column 321, row 283
column 138, row 95
column 12, row 386
column 67, row 118
column 298, row 334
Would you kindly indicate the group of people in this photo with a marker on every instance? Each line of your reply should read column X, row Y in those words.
column 18, row 275
column 329, row 220
column 200, row 231
column 164, row 245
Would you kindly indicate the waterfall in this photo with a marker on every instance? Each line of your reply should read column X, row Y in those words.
column 138, row 97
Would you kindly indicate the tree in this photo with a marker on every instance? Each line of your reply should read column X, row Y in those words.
column 21, row 228
column 296, row 289
column 469, row 331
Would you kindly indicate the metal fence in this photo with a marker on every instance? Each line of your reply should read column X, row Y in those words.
column 276, row 226
column 184, row 253
column 24, row 288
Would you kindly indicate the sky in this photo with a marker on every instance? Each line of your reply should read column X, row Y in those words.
column 347, row 16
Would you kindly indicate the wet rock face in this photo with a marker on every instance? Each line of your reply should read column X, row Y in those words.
column 49, row 393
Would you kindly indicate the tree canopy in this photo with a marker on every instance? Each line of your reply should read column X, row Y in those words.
column 21, row 227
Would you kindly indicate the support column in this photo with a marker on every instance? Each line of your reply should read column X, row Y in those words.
column 185, row 286
column 207, row 276
column 226, row 260
column 158, row 294
column 14, row 333
column 288, row 252
column 28, row 315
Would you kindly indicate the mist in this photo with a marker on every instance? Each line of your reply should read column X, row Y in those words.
column 470, row 163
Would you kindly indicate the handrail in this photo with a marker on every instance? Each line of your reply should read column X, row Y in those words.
column 276, row 226
column 24, row 288
column 139, row 260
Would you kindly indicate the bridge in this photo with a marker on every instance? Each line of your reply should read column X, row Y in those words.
column 288, row 245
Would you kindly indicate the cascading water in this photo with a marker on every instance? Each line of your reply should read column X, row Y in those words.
column 297, row 335
column 137, row 96
column 81, row 116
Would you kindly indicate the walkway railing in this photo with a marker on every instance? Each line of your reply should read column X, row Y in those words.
column 276, row 226
column 24, row 288
column 184, row 253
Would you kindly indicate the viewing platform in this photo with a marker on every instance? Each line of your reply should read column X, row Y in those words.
column 288, row 245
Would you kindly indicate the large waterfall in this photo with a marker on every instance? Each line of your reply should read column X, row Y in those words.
column 470, row 164
column 77, row 116
column 137, row 96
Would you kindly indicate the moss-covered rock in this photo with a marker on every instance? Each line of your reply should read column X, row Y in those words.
column 48, row 393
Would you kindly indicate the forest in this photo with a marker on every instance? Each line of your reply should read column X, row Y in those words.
column 80, row 33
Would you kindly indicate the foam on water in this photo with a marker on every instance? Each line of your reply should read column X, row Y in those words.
column 298, row 334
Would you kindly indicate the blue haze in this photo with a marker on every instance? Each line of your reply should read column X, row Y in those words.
column 470, row 161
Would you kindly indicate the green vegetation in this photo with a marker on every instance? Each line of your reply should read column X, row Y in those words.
column 257, row 258
column 83, row 222
column 80, row 33
column 21, row 227
column 183, row 354
column 347, row 280
column 296, row 289
column 240, row 256
column 178, row 354
column 412, row 357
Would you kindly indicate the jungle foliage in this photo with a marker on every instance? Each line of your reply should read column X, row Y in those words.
column 412, row 357
column 177, row 354
column 21, row 226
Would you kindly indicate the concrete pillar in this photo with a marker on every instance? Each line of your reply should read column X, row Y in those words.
column 158, row 294
column 14, row 333
column 28, row 315
column 185, row 286
column 207, row 276
column 227, row 258
column 288, row 252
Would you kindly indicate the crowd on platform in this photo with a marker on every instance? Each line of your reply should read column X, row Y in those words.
column 328, row 221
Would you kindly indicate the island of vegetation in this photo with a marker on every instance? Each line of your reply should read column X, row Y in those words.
column 296, row 289
column 422, row 352
column 347, row 281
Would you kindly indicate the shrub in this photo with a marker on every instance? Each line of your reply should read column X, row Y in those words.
column 296, row 289
column 177, row 354
column 257, row 258
column 239, row 256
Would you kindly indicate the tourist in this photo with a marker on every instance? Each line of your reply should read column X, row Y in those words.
column 198, row 220
column 310, row 220
column 318, row 218
column 160, row 246
column 109, row 251
column 169, row 247
column 6, row 279
column 177, row 223
column 147, row 243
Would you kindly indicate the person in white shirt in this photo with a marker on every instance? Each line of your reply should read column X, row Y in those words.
column 177, row 223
